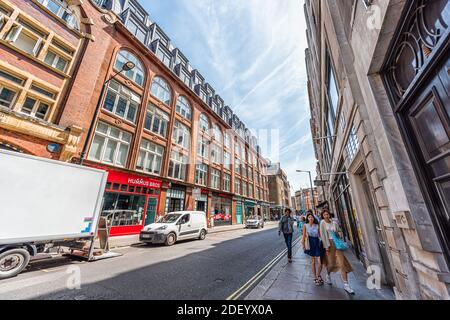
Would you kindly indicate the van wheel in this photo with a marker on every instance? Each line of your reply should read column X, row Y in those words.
column 171, row 239
column 202, row 235
column 12, row 262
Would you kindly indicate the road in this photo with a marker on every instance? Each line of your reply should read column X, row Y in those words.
column 209, row 269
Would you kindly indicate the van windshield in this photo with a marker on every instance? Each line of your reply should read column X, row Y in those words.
column 169, row 218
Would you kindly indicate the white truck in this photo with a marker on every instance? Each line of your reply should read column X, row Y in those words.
column 45, row 203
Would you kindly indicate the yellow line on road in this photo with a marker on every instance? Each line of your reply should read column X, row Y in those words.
column 238, row 293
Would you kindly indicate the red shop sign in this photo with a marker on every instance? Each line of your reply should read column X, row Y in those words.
column 133, row 180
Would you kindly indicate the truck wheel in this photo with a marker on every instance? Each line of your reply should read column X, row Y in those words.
column 202, row 235
column 12, row 262
column 171, row 239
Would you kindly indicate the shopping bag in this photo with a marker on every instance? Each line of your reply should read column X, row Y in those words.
column 339, row 243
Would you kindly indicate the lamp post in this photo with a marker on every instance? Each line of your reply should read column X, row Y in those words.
column 125, row 67
column 312, row 190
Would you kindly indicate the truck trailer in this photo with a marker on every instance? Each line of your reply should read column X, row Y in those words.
column 45, row 203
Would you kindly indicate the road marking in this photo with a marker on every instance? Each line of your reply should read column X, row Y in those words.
column 239, row 292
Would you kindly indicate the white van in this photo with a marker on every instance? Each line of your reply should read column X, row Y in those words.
column 174, row 226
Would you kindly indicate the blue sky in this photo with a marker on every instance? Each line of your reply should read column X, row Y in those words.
column 252, row 53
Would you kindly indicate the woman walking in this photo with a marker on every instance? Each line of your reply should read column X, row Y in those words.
column 311, row 244
column 334, row 259
column 286, row 226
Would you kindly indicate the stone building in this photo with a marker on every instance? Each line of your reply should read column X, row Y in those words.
column 379, row 92
column 279, row 188
column 166, row 137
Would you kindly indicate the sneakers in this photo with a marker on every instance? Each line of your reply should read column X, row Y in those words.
column 348, row 289
column 328, row 280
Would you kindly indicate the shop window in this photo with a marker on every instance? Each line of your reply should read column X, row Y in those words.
column 7, row 97
column 35, row 108
column 26, row 38
column 116, row 186
column 61, row 9
column 56, row 61
column 226, row 182
column 181, row 135
column 123, row 209
column 201, row 174
column 121, row 101
column 156, row 121
column 161, row 90
column 183, row 108
column 177, row 166
column 110, row 145
column 137, row 73
column 150, row 157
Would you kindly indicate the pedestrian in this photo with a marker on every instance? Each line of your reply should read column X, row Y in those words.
column 286, row 226
column 334, row 259
column 312, row 246
column 300, row 223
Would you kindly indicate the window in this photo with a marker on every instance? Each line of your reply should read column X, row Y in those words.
column 12, row 78
column 177, row 166
column 203, row 147
column 43, row 91
column 201, row 174
column 150, row 157
column 250, row 190
column 216, row 154
column 35, row 108
column 250, row 173
column 217, row 134
column 237, row 186
column 186, row 78
column 136, row 30
column 226, row 182
column 183, row 108
column 227, row 141
column 7, row 97
column 227, row 160
column 215, row 179
column 25, row 38
column 121, row 101
column 237, row 149
column 156, row 121
column 352, row 144
column 181, row 135
column 244, row 189
column 137, row 73
column 332, row 91
column 204, row 122
column 161, row 90
column 237, row 166
column 60, row 8
column 164, row 57
column 110, row 145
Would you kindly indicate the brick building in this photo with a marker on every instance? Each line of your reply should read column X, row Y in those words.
column 167, row 139
column 279, row 189
column 379, row 85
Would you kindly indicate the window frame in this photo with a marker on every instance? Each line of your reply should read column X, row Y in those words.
column 147, row 151
column 161, row 116
column 121, row 92
column 184, row 105
column 181, row 131
column 36, row 105
column 201, row 174
column 179, row 161
column 137, row 70
column 160, row 85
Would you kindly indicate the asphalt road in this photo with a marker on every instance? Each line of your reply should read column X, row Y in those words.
column 209, row 269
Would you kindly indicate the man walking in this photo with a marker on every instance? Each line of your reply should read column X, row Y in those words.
column 286, row 225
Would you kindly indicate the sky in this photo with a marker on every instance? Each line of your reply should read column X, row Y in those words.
column 252, row 53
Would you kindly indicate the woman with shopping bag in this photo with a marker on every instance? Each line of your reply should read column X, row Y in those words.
column 311, row 245
column 334, row 259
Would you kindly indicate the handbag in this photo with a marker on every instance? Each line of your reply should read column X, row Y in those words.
column 338, row 242
column 307, row 245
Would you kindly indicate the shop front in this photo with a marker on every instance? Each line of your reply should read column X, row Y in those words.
column 221, row 212
column 250, row 208
column 175, row 199
column 130, row 202
column 201, row 203
column 239, row 210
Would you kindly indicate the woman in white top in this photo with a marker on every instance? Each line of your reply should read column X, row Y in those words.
column 334, row 259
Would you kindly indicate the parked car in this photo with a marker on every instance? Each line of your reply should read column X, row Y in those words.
column 254, row 222
column 174, row 226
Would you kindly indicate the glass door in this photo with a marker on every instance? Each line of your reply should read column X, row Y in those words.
column 152, row 204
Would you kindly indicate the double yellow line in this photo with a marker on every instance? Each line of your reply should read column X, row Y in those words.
column 238, row 293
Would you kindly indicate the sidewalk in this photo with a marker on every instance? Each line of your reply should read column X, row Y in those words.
column 293, row 281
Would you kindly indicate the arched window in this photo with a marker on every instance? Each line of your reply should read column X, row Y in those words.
column 217, row 133
column 204, row 122
column 161, row 90
column 61, row 9
column 137, row 73
column 184, row 108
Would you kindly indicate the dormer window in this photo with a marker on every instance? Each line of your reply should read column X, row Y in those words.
column 136, row 30
column 164, row 56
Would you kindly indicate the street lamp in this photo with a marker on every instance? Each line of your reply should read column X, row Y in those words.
column 127, row 66
column 312, row 190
